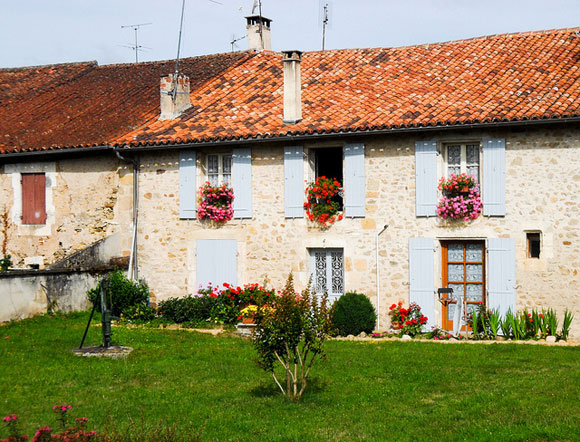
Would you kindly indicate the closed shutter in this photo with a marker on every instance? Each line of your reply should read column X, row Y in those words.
column 242, row 182
column 426, row 178
column 187, row 184
column 33, row 198
column 294, row 181
column 217, row 261
column 494, row 177
column 354, row 180
column 421, row 276
column 501, row 274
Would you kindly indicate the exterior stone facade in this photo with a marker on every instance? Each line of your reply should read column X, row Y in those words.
column 92, row 199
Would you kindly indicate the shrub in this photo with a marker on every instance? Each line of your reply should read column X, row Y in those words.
column 353, row 313
column 193, row 309
column 291, row 332
column 139, row 313
column 122, row 292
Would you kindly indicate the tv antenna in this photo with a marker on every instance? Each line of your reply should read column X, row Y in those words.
column 325, row 13
column 174, row 92
column 136, row 47
column 258, row 4
column 235, row 40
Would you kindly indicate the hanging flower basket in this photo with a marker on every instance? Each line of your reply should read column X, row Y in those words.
column 461, row 199
column 321, row 205
column 215, row 203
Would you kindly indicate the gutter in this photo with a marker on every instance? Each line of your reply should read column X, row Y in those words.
column 133, row 269
column 260, row 139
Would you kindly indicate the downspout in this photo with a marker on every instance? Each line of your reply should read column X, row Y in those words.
column 386, row 226
column 133, row 266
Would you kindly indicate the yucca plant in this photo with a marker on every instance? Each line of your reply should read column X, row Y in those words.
column 568, row 316
column 505, row 327
column 551, row 322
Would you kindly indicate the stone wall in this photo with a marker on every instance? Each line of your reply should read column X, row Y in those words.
column 542, row 183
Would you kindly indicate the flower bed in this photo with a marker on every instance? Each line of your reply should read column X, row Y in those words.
column 216, row 203
column 321, row 205
column 461, row 198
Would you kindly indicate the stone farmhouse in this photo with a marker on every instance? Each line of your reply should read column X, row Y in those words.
column 90, row 153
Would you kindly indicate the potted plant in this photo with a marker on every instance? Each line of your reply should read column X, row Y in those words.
column 460, row 199
column 321, row 203
column 216, row 203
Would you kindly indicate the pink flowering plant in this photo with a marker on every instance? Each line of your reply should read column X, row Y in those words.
column 215, row 203
column 461, row 198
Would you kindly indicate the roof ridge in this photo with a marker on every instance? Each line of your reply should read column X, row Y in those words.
column 195, row 57
column 462, row 40
column 39, row 66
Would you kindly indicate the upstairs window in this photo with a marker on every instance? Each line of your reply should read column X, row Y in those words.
column 219, row 169
column 462, row 158
column 328, row 162
column 33, row 198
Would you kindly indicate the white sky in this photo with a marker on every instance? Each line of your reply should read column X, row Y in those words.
column 36, row 32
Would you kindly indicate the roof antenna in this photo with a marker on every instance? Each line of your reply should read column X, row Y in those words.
column 258, row 4
column 136, row 47
column 235, row 40
column 174, row 91
column 325, row 13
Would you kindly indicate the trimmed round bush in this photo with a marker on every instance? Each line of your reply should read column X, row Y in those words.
column 353, row 313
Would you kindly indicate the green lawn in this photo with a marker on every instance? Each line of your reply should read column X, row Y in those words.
column 365, row 391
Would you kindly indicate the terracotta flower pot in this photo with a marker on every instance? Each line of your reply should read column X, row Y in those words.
column 249, row 320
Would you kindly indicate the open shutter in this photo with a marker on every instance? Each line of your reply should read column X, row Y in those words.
column 294, row 181
column 187, row 184
column 242, row 182
column 217, row 261
column 421, row 276
column 426, row 178
column 494, row 177
column 354, row 180
column 501, row 291
column 33, row 198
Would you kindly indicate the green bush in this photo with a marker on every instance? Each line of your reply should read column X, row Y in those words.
column 139, row 313
column 122, row 292
column 192, row 309
column 353, row 313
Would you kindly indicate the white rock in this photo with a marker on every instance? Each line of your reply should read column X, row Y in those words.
column 550, row 339
column 406, row 338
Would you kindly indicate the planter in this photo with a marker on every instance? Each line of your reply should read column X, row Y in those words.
column 249, row 320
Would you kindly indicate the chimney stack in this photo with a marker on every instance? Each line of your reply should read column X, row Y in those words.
column 172, row 108
column 257, row 40
column 292, row 87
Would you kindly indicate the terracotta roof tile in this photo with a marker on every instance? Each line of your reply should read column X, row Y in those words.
column 510, row 77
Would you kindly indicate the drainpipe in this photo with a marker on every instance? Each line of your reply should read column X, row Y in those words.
column 386, row 226
column 133, row 266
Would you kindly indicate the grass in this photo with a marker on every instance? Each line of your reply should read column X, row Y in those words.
column 365, row 391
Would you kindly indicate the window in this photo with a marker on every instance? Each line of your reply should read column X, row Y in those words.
column 219, row 169
column 534, row 244
column 464, row 272
column 327, row 269
column 328, row 163
column 462, row 158
column 33, row 198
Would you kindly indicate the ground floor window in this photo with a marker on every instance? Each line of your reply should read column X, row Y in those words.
column 463, row 271
column 327, row 269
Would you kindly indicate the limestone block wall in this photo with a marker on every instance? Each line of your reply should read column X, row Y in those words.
column 87, row 199
column 542, row 183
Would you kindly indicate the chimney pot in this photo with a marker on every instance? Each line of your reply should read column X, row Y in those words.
column 173, row 108
column 292, row 86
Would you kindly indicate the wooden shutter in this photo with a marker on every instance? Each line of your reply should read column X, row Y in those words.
column 187, row 184
column 354, row 180
column 501, row 261
column 33, row 198
column 494, row 177
column 242, row 182
column 421, row 276
column 426, row 178
column 217, row 261
column 294, row 181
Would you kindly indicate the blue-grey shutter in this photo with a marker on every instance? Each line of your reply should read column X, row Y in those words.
column 421, row 276
column 494, row 177
column 501, row 278
column 354, row 180
column 216, row 261
column 294, row 181
column 187, row 184
column 426, row 178
column 242, row 182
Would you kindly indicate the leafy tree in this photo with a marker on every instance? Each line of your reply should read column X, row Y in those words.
column 291, row 333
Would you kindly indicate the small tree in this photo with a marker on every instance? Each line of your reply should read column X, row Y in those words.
column 292, row 332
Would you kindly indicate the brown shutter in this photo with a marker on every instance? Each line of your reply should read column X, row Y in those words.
column 33, row 198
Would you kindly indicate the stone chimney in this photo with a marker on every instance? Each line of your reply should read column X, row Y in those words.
column 292, row 87
column 172, row 108
column 256, row 40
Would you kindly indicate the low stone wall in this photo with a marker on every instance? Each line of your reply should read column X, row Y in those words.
column 25, row 293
